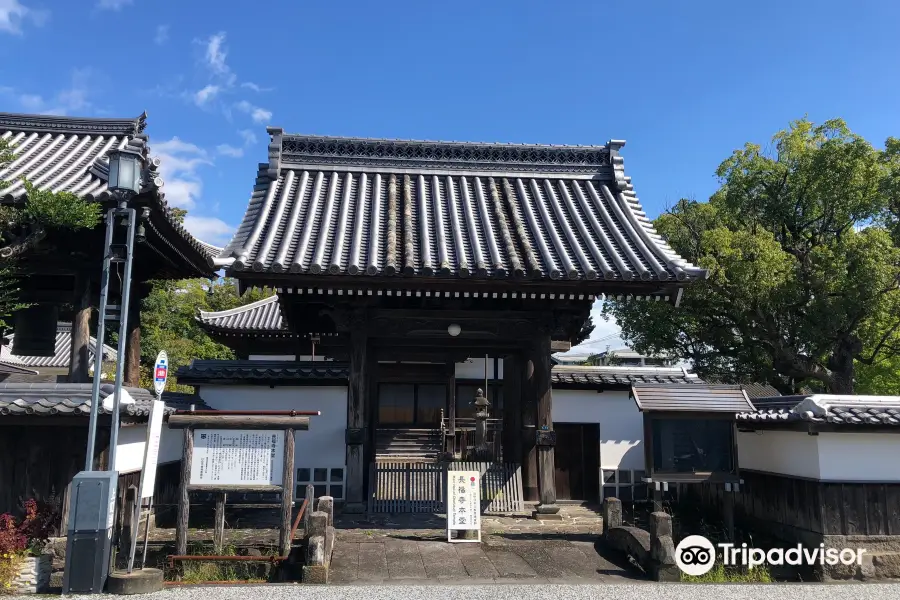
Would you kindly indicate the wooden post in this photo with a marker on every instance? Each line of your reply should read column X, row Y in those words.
column 728, row 511
column 133, row 342
column 181, row 527
column 219, row 526
column 546, row 456
column 529, row 449
column 450, row 445
column 287, row 494
column 356, row 415
column 80, row 357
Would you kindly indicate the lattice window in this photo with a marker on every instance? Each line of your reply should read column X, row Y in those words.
column 325, row 481
column 626, row 485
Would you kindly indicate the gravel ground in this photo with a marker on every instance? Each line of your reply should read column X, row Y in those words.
column 643, row 591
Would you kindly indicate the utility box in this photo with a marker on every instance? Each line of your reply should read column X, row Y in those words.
column 92, row 510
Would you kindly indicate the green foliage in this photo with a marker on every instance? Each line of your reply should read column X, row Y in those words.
column 169, row 320
column 61, row 210
column 194, row 572
column 178, row 214
column 801, row 246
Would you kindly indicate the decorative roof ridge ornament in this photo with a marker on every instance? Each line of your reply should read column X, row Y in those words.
column 294, row 149
column 74, row 125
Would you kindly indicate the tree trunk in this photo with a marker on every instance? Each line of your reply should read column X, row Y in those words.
column 842, row 367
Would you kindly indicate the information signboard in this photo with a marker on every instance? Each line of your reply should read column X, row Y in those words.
column 238, row 457
column 463, row 504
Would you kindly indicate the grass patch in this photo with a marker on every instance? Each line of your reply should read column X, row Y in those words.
column 202, row 571
column 719, row 574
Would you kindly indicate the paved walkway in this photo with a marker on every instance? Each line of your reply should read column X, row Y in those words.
column 411, row 561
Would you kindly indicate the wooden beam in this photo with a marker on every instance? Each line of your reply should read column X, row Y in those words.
column 80, row 357
column 560, row 346
column 239, row 422
column 133, row 340
column 512, row 407
column 357, row 391
column 219, row 524
column 184, row 506
column 287, row 494
column 546, row 451
column 450, row 443
column 528, row 435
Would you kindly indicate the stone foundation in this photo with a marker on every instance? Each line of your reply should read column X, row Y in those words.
column 34, row 575
column 653, row 550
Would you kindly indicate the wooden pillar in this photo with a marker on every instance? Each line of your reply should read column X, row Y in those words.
column 80, row 357
column 529, row 449
column 133, row 341
column 546, row 440
column 512, row 408
column 450, row 443
column 287, row 493
column 181, row 527
column 356, row 417
column 219, row 523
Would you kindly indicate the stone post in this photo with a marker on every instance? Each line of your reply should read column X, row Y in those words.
column 612, row 514
column 662, row 548
column 481, row 415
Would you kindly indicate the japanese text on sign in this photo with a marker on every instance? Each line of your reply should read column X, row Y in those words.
column 237, row 457
column 463, row 500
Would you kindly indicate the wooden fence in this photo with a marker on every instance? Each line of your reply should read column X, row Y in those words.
column 419, row 487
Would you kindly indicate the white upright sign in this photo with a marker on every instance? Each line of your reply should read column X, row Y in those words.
column 151, row 448
column 463, row 503
column 237, row 457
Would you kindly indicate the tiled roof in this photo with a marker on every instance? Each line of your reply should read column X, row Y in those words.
column 62, row 353
column 11, row 368
column 356, row 207
column 824, row 408
column 572, row 376
column 75, row 399
column 70, row 154
column 693, row 398
column 204, row 371
column 262, row 315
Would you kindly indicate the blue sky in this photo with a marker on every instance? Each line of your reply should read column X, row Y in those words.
column 685, row 83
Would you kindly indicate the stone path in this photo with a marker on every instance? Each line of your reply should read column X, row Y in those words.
column 424, row 561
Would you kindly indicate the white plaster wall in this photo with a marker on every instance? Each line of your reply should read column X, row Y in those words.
column 131, row 442
column 784, row 452
column 859, row 456
column 473, row 368
column 621, row 424
column 323, row 445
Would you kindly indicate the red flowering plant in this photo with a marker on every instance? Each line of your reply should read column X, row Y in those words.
column 25, row 537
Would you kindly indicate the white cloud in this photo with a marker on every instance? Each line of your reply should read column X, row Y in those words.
column 216, row 53
column 254, row 87
column 201, row 97
column 179, row 164
column 113, row 4
column 13, row 14
column 209, row 229
column 229, row 150
column 258, row 114
column 162, row 35
column 248, row 136
column 73, row 99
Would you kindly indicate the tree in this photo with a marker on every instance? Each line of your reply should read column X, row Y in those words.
column 169, row 319
column 801, row 248
column 25, row 226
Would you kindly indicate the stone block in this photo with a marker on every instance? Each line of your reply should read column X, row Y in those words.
column 612, row 514
column 633, row 541
column 34, row 575
column 315, row 550
column 318, row 522
column 662, row 550
column 329, row 545
column 315, row 574
column 886, row 566
column 139, row 581
column 325, row 504
column 660, row 524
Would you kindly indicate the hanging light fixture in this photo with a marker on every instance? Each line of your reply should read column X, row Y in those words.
column 125, row 168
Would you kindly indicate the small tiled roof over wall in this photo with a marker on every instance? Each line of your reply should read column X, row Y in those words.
column 851, row 411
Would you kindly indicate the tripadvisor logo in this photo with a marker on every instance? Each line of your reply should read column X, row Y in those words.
column 695, row 555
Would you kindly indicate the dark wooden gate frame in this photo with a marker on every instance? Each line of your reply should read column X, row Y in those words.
column 287, row 421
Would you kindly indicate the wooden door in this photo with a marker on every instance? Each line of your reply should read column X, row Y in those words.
column 576, row 461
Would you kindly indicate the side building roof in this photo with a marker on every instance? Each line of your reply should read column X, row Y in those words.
column 848, row 411
column 62, row 353
column 361, row 209
column 69, row 154
column 694, row 398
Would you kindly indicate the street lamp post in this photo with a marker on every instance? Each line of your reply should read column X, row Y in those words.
column 124, row 182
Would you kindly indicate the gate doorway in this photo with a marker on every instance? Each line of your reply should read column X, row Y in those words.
column 577, row 461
